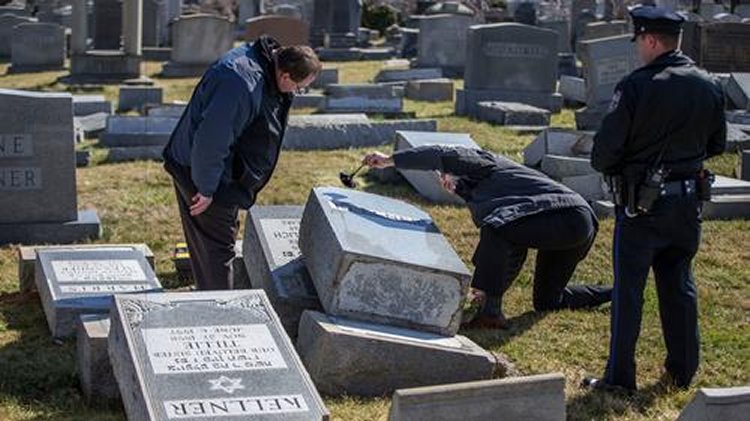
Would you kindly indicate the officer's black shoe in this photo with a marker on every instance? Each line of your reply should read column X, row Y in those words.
column 593, row 383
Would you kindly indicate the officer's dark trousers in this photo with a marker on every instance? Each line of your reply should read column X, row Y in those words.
column 666, row 240
column 210, row 237
column 562, row 237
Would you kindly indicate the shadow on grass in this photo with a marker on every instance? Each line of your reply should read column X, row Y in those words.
column 600, row 404
column 37, row 373
column 496, row 338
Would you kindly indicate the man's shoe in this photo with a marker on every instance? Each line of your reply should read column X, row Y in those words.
column 593, row 383
column 485, row 321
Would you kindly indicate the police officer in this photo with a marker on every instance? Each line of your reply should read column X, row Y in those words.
column 665, row 119
column 227, row 143
column 516, row 208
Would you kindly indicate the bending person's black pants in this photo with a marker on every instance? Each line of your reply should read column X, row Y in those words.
column 562, row 237
column 210, row 238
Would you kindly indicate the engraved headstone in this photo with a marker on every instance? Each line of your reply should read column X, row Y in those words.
column 37, row 171
column 510, row 62
column 275, row 263
column 363, row 98
column 540, row 397
column 107, row 21
column 427, row 183
column 197, row 41
column 285, row 30
column 7, row 24
column 348, row 357
column 208, row 355
column 75, row 282
column 337, row 17
column 724, row 47
column 442, row 42
column 131, row 131
column 37, row 47
column 379, row 259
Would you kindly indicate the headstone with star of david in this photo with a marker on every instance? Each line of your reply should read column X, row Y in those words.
column 208, row 355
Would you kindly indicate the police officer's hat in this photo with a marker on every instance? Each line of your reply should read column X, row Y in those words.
column 655, row 20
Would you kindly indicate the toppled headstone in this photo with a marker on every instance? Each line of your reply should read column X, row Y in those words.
column 90, row 104
column 91, row 125
column 512, row 114
column 540, row 397
column 709, row 404
column 347, row 357
column 427, row 183
column 327, row 76
column 738, row 90
column 130, row 131
column 75, row 282
column 560, row 167
column 555, row 141
column 378, row 259
column 335, row 131
column 573, row 89
column 208, row 354
column 400, row 75
column 363, row 98
column 136, row 97
column 275, row 263
column 433, row 90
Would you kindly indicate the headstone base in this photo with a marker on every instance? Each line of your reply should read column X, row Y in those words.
column 345, row 357
column 94, row 369
column 512, row 114
column 467, row 100
column 175, row 69
column 589, row 119
column 432, row 90
column 86, row 227
column 160, row 54
column 728, row 206
column 103, row 66
column 19, row 68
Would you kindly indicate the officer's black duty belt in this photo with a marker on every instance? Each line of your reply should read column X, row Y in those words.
column 678, row 188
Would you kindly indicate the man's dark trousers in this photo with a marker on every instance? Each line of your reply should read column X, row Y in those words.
column 210, row 237
column 562, row 237
column 666, row 239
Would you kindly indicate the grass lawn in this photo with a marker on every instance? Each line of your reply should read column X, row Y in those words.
column 136, row 204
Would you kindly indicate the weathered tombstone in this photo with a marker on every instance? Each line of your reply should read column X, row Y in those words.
column 578, row 25
column 93, row 367
column 91, row 125
column 286, row 30
column 401, row 75
column 510, row 62
column 743, row 171
column 90, row 104
column 107, row 24
column 347, row 357
column 129, row 131
column 27, row 259
column 442, row 42
column 562, row 27
column 378, row 259
column 427, row 183
column 596, row 30
column 606, row 62
column 557, row 141
column 363, row 98
column 433, row 90
column 75, row 282
column 573, row 89
column 208, row 354
column 512, row 114
column 334, row 131
column 335, row 17
column 137, row 97
column 197, row 41
column 37, row 171
column 152, row 22
column 275, row 263
column 408, row 45
column 540, row 397
column 738, row 90
column 718, row 404
column 560, row 167
column 7, row 24
column 724, row 47
column 37, row 47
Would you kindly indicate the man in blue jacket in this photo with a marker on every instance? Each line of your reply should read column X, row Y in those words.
column 227, row 143
column 516, row 208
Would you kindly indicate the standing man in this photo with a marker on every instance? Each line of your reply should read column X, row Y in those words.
column 226, row 145
column 516, row 208
column 665, row 119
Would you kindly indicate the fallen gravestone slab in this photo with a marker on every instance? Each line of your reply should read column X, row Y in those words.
column 433, row 90
column 512, row 114
column 346, row 357
column 562, row 142
column 27, row 259
column 90, row 104
column 399, row 75
column 275, row 264
column 336, row 131
column 427, row 183
column 92, row 361
column 720, row 404
column 92, row 125
column 363, row 98
column 208, row 354
column 75, row 282
column 573, row 89
column 382, row 260
column 539, row 398
column 560, row 167
column 130, row 131
column 136, row 97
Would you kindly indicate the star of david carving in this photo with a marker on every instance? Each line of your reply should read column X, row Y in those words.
column 226, row 384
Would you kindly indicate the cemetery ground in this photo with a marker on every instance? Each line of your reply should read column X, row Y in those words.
column 137, row 205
